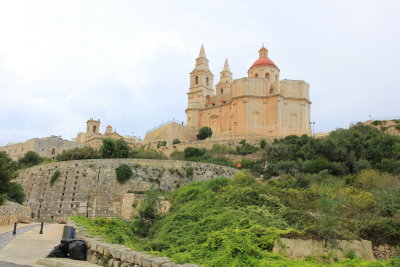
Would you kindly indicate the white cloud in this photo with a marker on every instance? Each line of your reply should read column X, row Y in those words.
column 127, row 62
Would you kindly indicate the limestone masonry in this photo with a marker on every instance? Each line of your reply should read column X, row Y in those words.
column 48, row 147
column 89, row 187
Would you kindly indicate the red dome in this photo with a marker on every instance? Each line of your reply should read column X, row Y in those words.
column 264, row 61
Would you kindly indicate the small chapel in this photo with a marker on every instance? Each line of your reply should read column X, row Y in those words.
column 255, row 106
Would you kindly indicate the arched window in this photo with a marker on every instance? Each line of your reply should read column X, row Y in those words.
column 222, row 91
column 53, row 151
column 207, row 81
column 276, row 77
column 94, row 128
column 256, row 75
column 267, row 75
column 196, row 80
column 271, row 90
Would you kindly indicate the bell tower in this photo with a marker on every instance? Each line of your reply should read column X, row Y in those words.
column 92, row 127
column 201, row 86
column 224, row 85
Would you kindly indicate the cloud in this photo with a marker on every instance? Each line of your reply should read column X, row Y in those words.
column 128, row 62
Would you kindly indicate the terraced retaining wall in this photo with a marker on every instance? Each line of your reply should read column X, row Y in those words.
column 89, row 187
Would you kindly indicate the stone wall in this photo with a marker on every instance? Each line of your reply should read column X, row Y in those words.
column 11, row 212
column 169, row 132
column 112, row 255
column 300, row 249
column 46, row 147
column 89, row 187
column 384, row 252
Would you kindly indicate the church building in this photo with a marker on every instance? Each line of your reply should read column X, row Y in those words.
column 252, row 107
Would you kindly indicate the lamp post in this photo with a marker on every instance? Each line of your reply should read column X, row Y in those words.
column 312, row 123
column 87, row 205
column 40, row 207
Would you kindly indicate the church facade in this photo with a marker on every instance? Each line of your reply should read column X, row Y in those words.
column 252, row 107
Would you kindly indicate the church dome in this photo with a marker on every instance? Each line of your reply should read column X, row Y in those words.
column 263, row 59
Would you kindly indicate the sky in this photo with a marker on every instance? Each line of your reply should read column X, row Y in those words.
column 127, row 63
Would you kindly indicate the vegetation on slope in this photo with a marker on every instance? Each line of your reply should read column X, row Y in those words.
column 234, row 222
column 9, row 190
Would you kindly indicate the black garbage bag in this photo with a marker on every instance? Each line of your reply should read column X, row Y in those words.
column 77, row 250
column 60, row 251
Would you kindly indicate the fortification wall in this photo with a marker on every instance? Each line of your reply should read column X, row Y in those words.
column 89, row 187
column 169, row 132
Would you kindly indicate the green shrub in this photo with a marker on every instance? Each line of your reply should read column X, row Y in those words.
column 142, row 153
column 54, row 177
column 78, row 154
column 30, row 159
column 161, row 144
column 263, row 143
column 361, row 164
column 176, row 141
column 192, row 152
column 245, row 148
column 177, row 155
column 189, row 172
column 204, row 133
column 123, row 173
column 16, row 193
column 398, row 127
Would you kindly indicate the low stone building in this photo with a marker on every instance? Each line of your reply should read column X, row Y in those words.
column 93, row 138
column 48, row 147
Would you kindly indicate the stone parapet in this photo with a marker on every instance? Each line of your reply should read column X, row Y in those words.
column 113, row 255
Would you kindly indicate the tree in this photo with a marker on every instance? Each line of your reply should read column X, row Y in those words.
column 12, row 191
column 79, row 153
column 121, row 149
column 114, row 148
column 108, row 148
column 7, row 172
column 30, row 159
column 204, row 133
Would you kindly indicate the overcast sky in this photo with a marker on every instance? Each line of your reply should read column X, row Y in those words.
column 128, row 62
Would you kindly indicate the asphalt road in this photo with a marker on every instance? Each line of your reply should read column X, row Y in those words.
column 8, row 236
column 8, row 264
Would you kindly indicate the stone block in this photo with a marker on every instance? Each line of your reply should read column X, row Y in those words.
column 117, row 263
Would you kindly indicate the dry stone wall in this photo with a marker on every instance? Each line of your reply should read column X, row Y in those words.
column 89, row 187
column 300, row 249
column 112, row 255
column 11, row 212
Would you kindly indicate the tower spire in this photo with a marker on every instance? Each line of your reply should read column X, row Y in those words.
column 226, row 66
column 202, row 52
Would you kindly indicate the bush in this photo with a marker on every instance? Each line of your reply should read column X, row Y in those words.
column 54, row 177
column 177, row 155
column 16, row 193
column 245, row 148
column 142, row 153
column 78, row 154
column 204, row 133
column 30, row 159
column 263, row 143
column 375, row 180
column 192, row 152
column 123, row 173
column 361, row 164
column 161, row 144
column 176, row 141
column 189, row 172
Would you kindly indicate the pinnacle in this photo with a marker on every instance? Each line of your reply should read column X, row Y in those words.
column 226, row 65
column 202, row 51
